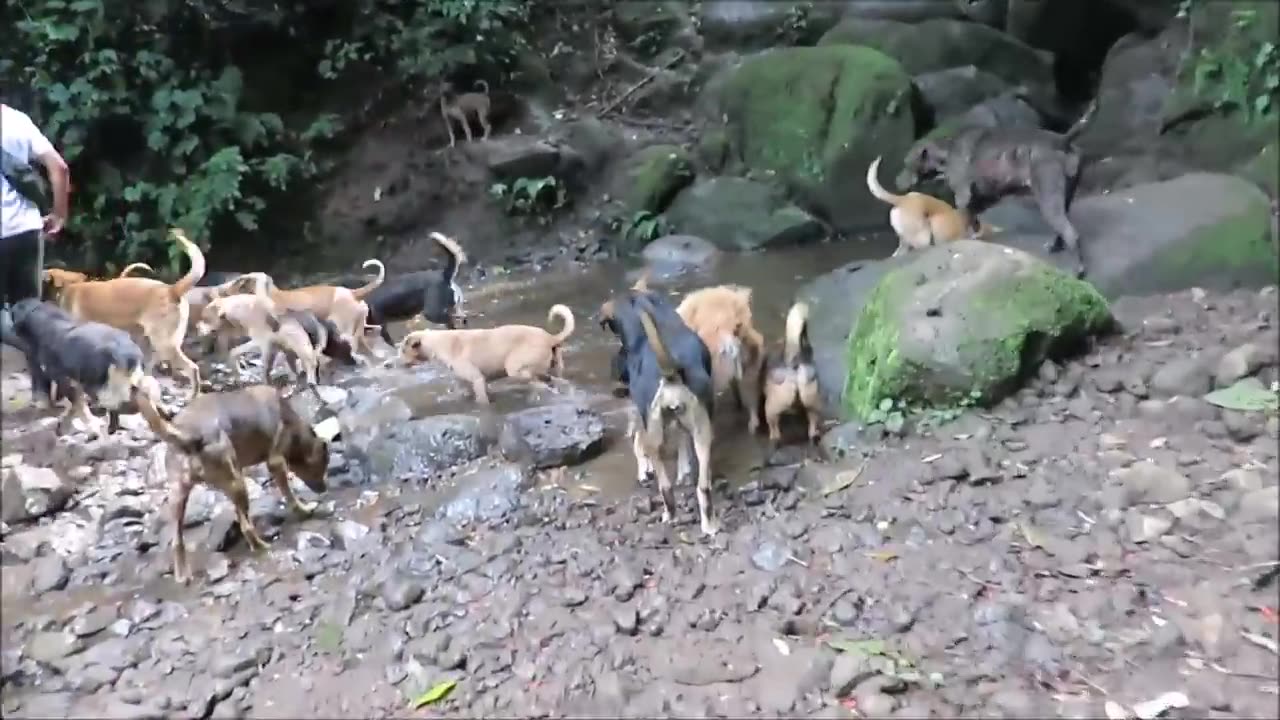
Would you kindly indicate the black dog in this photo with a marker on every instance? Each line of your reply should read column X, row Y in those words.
column 433, row 293
column 983, row 164
column 78, row 359
column 324, row 336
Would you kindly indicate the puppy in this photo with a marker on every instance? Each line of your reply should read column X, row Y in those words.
column 343, row 306
column 672, row 391
column 56, row 279
column 237, row 316
column 791, row 379
column 77, row 361
column 217, row 435
column 304, row 338
column 461, row 107
column 476, row 356
column 156, row 309
column 432, row 293
column 981, row 165
column 721, row 316
column 923, row 220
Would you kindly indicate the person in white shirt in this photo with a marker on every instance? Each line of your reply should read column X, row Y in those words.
column 21, row 222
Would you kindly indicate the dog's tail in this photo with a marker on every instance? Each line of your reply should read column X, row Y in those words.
column 135, row 266
column 456, row 254
column 731, row 351
column 161, row 426
column 188, row 281
column 665, row 366
column 484, row 87
column 873, row 184
column 566, row 317
column 373, row 284
column 642, row 283
column 1080, row 125
column 796, row 338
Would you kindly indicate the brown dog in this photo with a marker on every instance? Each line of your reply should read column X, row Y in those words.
column 237, row 316
column 721, row 316
column 57, row 279
column 157, row 309
column 344, row 307
column 922, row 220
column 218, row 435
column 791, row 379
column 462, row 107
column 524, row 352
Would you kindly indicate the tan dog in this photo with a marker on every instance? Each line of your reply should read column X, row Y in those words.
column 236, row 316
column 199, row 297
column 476, row 356
column 217, row 435
column 791, row 379
column 462, row 107
column 57, row 279
column 344, row 307
column 923, row 220
column 157, row 309
column 721, row 316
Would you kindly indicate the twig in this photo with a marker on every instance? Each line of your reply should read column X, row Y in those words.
column 1085, row 678
column 1255, row 566
column 643, row 81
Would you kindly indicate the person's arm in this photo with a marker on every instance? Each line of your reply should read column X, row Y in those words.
column 60, row 179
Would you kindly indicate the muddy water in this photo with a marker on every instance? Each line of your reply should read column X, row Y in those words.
column 525, row 298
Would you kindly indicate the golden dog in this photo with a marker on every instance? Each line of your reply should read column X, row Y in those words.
column 57, row 279
column 791, row 379
column 344, row 307
column 721, row 316
column 922, row 220
column 523, row 352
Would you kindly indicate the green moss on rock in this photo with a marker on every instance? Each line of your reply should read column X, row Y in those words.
column 657, row 173
column 1237, row 250
column 964, row 321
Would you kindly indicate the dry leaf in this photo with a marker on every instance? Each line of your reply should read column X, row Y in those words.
column 1033, row 535
column 1152, row 709
column 843, row 479
column 882, row 555
column 1262, row 641
column 782, row 646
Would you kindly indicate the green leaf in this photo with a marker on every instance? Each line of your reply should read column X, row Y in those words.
column 437, row 693
column 886, row 405
column 869, row 647
column 1247, row 395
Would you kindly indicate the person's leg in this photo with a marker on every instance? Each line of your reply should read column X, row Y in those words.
column 20, row 278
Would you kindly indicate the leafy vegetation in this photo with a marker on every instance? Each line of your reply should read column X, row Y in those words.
column 531, row 197
column 1241, row 70
column 210, row 116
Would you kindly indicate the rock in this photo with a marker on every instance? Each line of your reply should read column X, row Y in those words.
column 1147, row 482
column 401, row 593
column 951, row 92
column 30, row 492
column 50, row 574
column 940, row 44
column 654, row 176
column 1145, row 528
column 1182, row 376
column 738, row 214
column 1198, row 230
column 842, row 106
column 512, row 157
column 1261, row 505
column 675, row 254
column 1242, row 362
column 419, row 448
column 848, row 671
column 486, row 494
column 1005, row 313
column 552, row 435
column 748, row 25
column 48, row 647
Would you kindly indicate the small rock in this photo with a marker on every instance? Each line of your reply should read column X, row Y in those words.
column 847, row 672
column 1261, row 505
column 1242, row 362
column 1182, row 376
column 1144, row 528
column 1147, row 482
column 625, row 619
column 49, row 574
column 399, row 593
column 27, row 493
column 1242, row 479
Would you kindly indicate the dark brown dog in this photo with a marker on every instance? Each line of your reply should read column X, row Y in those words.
column 220, row 434
column 462, row 107
column 981, row 165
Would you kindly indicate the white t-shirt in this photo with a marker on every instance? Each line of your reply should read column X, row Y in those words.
column 22, row 143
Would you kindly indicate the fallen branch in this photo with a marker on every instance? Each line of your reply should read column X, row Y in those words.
column 643, row 81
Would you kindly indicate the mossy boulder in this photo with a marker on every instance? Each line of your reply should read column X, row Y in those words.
column 1263, row 170
column 813, row 118
column 964, row 321
column 654, row 176
column 737, row 214
column 942, row 43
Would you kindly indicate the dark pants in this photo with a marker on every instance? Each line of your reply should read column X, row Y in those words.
column 19, row 276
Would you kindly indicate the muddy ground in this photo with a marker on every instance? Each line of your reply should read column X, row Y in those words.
column 1106, row 535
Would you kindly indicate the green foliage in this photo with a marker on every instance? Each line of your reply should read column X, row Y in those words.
column 531, row 197
column 893, row 413
column 1241, row 71
column 645, row 227
column 155, row 105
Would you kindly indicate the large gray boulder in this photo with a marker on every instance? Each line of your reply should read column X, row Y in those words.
column 565, row 433
column 737, row 214
column 387, row 443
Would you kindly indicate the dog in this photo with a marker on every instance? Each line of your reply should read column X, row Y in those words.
column 432, row 293
column 721, row 316
column 982, row 165
column 304, row 338
column 345, row 307
column 672, row 391
column 217, row 435
column 790, row 379
column 461, row 107
column 922, row 220
column 157, row 309
column 56, row 279
column 218, row 277
column 524, row 352
column 78, row 361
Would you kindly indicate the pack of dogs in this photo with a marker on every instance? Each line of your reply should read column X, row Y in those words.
column 99, row 342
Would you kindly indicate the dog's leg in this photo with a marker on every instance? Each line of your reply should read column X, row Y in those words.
column 239, row 495
column 235, row 356
column 466, row 126
column 811, row 400
column 470, row 374
column 644, row 468
column 1051, row 187
column 279, row 470
column 220, row 461
column 778, row 399
column 483, row 117
column 664, row 485
column 701, row 432
column 181, row 569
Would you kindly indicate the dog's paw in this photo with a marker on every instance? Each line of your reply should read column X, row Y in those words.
column 304, row 508
column 709, row 527
column 666, row 516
